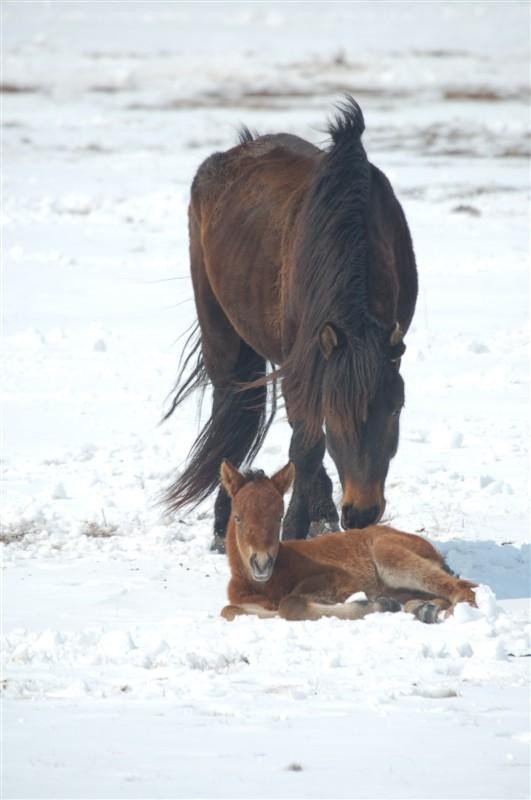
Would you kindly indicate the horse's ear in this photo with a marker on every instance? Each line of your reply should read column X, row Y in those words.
column 232, row 480
column 283, row 479
column 328, row 339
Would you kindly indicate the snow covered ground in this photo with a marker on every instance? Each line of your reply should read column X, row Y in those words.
column 120, row 679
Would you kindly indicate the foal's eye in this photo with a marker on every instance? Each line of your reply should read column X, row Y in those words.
column 237, row 520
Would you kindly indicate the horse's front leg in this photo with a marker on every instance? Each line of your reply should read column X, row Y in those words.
column 264, row 611
column 323, row 513
column 311, row 509
column 222, row 508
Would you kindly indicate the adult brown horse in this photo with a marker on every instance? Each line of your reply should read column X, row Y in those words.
column 300, row 258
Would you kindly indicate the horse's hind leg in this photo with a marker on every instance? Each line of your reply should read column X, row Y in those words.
column 239, row 418
column 222, row 508
column 237, row 423
column 299, row 607
column 323, row 595
column 401, row 568
column 311, row 508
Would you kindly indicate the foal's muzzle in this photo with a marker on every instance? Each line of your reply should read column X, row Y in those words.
column 261, row 566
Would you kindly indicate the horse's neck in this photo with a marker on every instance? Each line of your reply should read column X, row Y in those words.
column 294, row 563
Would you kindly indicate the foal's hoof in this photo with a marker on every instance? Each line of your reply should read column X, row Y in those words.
column 427, row 612
column 217, row 544
column 388, row 604
column 230, row 612
column 320, row 526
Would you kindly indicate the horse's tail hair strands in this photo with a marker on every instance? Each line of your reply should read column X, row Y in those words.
column 236, row 429
column 191, row 376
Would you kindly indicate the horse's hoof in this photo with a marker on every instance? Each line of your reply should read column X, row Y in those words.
column 320, row 526
column 217, row 544
column 430, row 613
column 229, row 613
column 388, row 604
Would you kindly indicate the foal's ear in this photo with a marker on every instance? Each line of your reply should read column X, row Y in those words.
column 283, row 479
column 231, row 479
column 328, row 340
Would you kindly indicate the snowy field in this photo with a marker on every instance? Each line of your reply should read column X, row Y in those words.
column 120, row 679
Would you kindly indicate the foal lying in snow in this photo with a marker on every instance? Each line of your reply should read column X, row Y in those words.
column 302, row 579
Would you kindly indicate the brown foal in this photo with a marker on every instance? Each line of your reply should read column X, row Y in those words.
column 308, row 579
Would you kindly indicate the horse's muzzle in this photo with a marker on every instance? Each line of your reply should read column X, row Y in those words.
column 352, row 517
column 261, row 566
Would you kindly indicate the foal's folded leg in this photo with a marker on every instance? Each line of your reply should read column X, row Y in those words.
column 232, row 611
column 299, row 607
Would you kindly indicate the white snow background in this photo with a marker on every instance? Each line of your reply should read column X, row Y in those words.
column 120, row 678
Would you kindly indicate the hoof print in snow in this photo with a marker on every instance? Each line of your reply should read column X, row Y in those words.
column 100, row 346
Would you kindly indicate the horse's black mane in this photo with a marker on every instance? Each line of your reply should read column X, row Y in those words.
column 330, row 286
column 246, row 135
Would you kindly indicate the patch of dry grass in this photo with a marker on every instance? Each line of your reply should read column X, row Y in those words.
column 99, row 530
column 16, row 531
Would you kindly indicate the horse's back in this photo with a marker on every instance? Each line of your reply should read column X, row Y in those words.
column 334, row 549
column 401, row 540
column 263, row 154
column 243, row 208
column 351, row 547
column 287, row 141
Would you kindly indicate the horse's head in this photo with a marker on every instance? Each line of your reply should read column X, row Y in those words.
column 257, row 508
column 362, row 428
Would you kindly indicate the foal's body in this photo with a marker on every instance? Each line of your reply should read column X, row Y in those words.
column 308, row 576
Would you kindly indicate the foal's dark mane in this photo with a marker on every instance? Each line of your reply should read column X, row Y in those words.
column 329, row 287
column 253, row 475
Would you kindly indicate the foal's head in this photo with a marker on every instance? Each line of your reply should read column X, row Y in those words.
column 256, row 514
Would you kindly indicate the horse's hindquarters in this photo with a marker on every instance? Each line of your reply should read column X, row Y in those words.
column 246, row 208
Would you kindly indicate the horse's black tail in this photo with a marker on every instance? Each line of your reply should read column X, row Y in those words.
column 236, row 429
column 196, row 378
